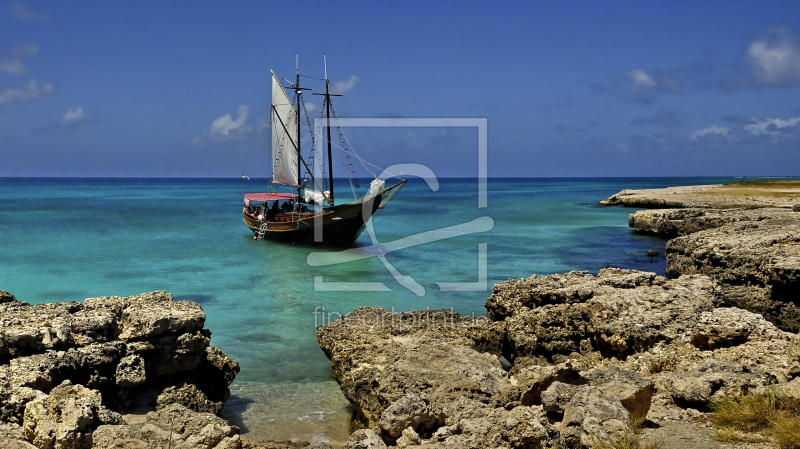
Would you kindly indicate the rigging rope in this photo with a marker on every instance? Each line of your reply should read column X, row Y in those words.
column 313, row 145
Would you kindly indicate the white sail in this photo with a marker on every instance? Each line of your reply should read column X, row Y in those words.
column 284, row 132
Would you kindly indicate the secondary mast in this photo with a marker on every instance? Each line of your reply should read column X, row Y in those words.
column 328, row 96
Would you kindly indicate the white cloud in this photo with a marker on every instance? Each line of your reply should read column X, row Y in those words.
column 711, row 130
column 76, row 116
column 12, row 66
column 29, row 91
column 641, row 78
column 772, row 127
column 69, row 121
column 227, row 129
column 21, row 11
column 343, row 87
column 776, row 56
column 225, row 124
column 310, row 107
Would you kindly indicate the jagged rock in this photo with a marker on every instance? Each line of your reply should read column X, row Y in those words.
column 190, row 397
column 632, row 390
column 672, row 223
column 413, row 411
column 130, row 372
column 558, row 395
column 11, row 437
column 628, row 311
column 365, row 439
column 409, row 438
column 590, row 417
column 515, row 295
column 6, row 297
column 65, row 418
column 532, row 381
column 379, row 356
column 203, row 428
column 214, row 374
column 796, row 208
column 109, row 344
column 13, row 398
column 713, row 380
column 175, row 426
column 756, row 264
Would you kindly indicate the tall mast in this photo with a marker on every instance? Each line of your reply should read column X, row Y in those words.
column 328, row 96
column 328, row 113
column 299, row 91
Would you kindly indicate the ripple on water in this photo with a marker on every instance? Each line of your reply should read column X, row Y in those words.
column 301, row 411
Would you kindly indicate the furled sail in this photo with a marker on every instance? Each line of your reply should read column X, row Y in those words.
column 317, row 197
column 284, row 132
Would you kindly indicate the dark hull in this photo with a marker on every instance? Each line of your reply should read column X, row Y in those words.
column 339, row 225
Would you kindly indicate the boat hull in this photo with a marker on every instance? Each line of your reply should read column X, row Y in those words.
column 335, row 225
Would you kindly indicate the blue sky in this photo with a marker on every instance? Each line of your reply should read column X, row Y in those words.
column 590, row 88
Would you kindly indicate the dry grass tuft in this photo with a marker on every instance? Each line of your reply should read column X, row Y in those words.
column 768, row 413
column 786, row 432
column 748, row 413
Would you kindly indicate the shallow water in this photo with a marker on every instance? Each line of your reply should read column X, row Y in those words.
column 71, row 238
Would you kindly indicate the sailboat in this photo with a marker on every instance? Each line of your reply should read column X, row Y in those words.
column 306, row 211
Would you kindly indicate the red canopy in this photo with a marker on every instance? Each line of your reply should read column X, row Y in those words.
column 269, row 196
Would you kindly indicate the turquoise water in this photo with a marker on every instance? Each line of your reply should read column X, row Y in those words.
column 67, row 239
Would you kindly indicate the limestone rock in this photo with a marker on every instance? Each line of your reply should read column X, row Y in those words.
column 672, row 223
column 64, row 419
column 756, row 264
column 718, row 196
column 409, row 438
column 591, row 416
column 413, row 411
column 632, row 390
column 190, row 397
column 713, row 380
column 533, row 381
column 628, row 311
column 558, row 395
column 6, row 297
column 203, row 428
column 379, row 356
column 130, row 372
column 111, row 344
column 365, row 439
column 175, row 426
column 11, row 437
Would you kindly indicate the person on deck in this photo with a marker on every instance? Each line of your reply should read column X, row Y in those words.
column 273, row 211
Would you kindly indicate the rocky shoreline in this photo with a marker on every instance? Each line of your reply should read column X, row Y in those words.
column 576, row 360
column 113, row 372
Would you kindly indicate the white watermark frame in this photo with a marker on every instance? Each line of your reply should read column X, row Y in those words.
column 380, row 250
